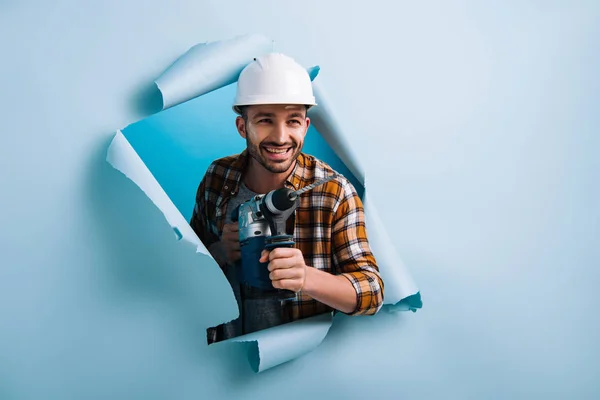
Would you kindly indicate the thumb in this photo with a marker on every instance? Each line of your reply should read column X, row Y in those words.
column 264, row 256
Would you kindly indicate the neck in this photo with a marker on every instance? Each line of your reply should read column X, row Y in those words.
column 260, row 180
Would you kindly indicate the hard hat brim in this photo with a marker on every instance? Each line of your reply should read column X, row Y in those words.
column 262, row 101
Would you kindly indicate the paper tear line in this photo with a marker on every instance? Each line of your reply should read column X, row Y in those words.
column 123, row 157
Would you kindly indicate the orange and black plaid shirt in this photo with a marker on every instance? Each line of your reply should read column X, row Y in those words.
column 328, row 227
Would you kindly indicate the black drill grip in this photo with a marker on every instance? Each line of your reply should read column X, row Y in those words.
column 273, row 242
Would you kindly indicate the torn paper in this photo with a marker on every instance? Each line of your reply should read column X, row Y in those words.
column 209, row 66
column 283, row 343
column 167, row 154
column 399, row 285
column 124, row 158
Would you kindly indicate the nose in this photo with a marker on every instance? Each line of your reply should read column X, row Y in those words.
column 280, row 134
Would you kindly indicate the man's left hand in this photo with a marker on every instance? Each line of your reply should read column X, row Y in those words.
column 287, row 268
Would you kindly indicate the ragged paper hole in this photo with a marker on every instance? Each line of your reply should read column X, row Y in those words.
column 167, row 155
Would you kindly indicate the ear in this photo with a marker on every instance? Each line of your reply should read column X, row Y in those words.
column 307, row 125
column 241, row 126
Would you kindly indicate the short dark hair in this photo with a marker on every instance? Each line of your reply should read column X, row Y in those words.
column 243, row 112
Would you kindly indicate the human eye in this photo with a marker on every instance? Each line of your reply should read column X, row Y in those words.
column 264, row 121
column 295, row 122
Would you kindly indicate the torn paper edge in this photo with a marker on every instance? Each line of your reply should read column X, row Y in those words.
column 297, row 337
column 300, row 337
column 209, row 66
column 391, row 267
column 123, row 157
column 324, row 121
column 219, row 69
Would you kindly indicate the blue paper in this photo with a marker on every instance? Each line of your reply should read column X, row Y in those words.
column 167, row 155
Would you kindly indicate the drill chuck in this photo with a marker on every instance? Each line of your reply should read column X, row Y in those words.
column 280, row 200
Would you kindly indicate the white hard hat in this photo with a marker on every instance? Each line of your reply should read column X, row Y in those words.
column 273, row 78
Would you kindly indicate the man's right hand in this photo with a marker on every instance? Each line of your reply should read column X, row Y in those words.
column 227, row 250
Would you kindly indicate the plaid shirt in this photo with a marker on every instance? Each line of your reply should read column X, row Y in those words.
column 328, row 227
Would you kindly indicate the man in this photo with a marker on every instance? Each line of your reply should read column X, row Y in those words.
column 331, row 266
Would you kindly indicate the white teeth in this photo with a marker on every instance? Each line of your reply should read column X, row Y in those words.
column 278, row 151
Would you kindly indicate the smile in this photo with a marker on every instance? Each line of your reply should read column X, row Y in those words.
column 277, row 150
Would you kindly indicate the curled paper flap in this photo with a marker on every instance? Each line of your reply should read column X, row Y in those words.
column 399, row 285
column 208, row 66
column 283, row 343
column 125, row 159
column 324, row 121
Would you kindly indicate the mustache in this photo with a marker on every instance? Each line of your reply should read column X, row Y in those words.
column 273, row 144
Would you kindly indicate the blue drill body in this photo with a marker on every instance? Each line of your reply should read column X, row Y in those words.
column 262, row 222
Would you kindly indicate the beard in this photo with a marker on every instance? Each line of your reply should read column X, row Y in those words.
column 256, row 151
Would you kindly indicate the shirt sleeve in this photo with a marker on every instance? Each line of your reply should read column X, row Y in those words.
column 200, row 221
column 352, row 253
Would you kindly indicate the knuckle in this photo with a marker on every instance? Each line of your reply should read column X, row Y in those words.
column 276, row 252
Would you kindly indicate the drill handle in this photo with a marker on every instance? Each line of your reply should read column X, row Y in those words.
column 273, row 242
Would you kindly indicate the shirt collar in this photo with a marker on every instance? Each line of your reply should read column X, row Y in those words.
column 296, row 178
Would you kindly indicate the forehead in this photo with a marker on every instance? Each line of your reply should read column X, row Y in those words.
column 277, row 109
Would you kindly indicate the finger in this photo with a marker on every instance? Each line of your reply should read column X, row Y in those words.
column 233, row 227
column 230, row 228
column 290, row 284
column 283, row 252
column 231, row 238
column 233, row 256
column 264, row 256
column 231, row 233
column 231, row 245
column 282, row 263
column 285, row 273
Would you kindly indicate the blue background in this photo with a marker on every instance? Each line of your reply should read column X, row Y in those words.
column 178, row 144
column 484, row 115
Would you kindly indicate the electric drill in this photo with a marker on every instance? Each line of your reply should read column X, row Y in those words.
column 262, row 225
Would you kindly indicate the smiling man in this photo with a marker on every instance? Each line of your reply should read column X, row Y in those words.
column 331, row 266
